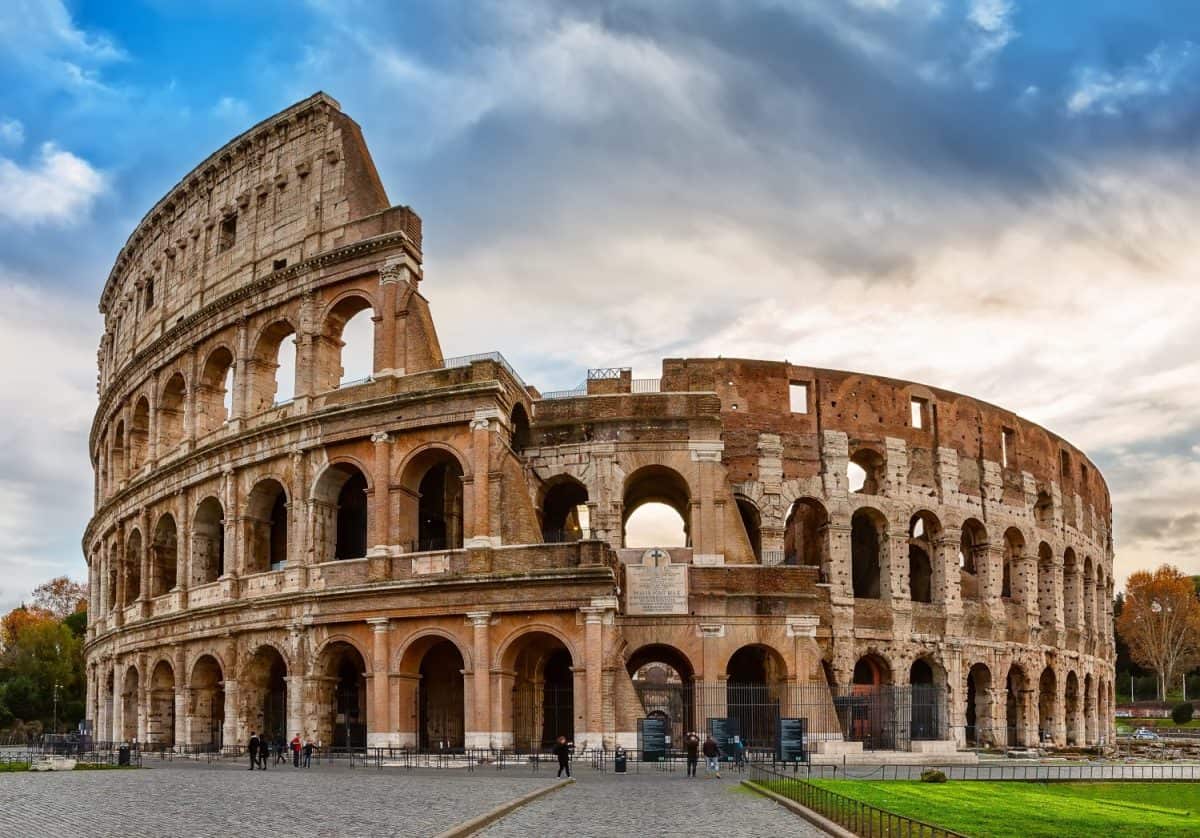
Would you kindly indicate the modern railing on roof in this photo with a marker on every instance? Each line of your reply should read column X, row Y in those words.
column 467, row 360
column 646, row 385
column 581, row 390
column 342, row 385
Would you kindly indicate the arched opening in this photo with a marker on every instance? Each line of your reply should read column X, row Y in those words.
column 272, row 367
column 214, row 394
column 867, row 710
column 266, row 527
column 342, row 715
column 110, row 732
column 1089, row 709
column 440, row 506
column 133, row 567
column 564, row 511
column 340, row 513
column 117, row 457
column 1089, row 595
column 804, row 534
column 1074, row 718
column 928, row 690
column 129, row 706
column 1072, row 589
column 1014, row 705
column 164, row 556
column 868, row 533
column 519, row 420
column 543, row 695
column 1014, row 549
column 139, row 435
column 441, row 722
column 972, row 558
column 1046, row 586
column 160, row 720
column 1043, row 510
column 208, row 542
column 751, row 523
column 264, row 694
column 923, row 528
column 664, row 682
column 346, row 350
column 656, row 509
column 979, row 706
column 866, row 472
column 170, row 415
column 1047, row 686
column 206, row 712
column 754, row 676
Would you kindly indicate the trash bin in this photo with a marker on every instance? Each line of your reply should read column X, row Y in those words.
column 123, row 754
column 620, row 762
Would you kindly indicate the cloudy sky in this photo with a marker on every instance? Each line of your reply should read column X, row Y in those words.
column 995, row 196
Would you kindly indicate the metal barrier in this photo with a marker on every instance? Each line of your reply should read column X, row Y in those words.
column 858, row 817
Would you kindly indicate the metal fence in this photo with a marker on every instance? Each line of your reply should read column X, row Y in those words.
column 997, row 770
column 858, row 817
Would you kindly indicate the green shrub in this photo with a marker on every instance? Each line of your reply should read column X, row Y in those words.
column 1182, row 714
column 932, row 775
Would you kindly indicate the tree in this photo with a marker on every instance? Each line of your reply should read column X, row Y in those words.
column 1160, row 620
column 61, row 597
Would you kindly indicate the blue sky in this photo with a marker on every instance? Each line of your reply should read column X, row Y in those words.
column 994, row 196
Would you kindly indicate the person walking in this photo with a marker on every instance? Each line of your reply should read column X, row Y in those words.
column 296, row 750
column 711, row 755
column 308, row 749
column 264, row 751
column 281, row 750
column 691, row 745
column 252, row 749
column 564, row 755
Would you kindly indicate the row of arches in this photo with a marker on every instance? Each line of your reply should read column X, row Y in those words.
column 281, row 363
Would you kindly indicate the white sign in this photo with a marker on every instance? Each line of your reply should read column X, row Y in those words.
column 656, row 586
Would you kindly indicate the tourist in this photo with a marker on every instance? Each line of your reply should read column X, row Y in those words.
column 691, row 745
column 711, row 754
column 295, row 750
column 308, row 749
column 252, row 748
column 264, row 751
column 563, row 752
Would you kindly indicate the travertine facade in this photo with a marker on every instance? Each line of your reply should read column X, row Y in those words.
column 435, row 555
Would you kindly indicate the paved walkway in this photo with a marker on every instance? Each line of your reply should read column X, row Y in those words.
column 196, row 800
column 604, row 805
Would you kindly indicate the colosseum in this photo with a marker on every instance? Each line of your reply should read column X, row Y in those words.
column 434, row 554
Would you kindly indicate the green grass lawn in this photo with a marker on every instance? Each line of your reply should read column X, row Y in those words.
column 1031, row 810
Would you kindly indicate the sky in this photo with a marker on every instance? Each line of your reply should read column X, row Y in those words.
column 993, row 196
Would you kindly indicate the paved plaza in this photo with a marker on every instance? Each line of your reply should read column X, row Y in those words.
column 189, row 800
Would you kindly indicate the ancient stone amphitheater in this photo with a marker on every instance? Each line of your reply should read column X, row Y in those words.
column 435, row 555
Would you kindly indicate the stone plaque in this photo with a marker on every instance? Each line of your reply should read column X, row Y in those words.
column 656, row 586
column 425, row 565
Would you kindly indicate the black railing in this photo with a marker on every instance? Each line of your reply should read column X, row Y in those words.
column 855, row 815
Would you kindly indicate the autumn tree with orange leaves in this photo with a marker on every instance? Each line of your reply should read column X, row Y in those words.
column 1160, row 622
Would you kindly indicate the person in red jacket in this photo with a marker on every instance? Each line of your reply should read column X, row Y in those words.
column 296, row 750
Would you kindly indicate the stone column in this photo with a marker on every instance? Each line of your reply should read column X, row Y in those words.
column 295, row 707
column 1059, row 620
column 481, row 736
column 388, row 351
column 233, row 521
column 838, row 574
column 230, row 731
column 147, row 584
column 377, row 733
column 182, row 697
column 946, row 554
column 119, row 604
column 1059, row 727
column 481, row 432
column 594, row 662
column 381, row 506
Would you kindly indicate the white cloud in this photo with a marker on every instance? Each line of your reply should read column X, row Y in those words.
column 991, row 30
column 232, row 109
column 12, row 132
column 56, row 187
column 1101, row 91
column 41, row 36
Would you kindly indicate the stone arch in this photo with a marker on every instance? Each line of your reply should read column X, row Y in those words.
column 806, row 534
column 133, row 567
column 872, row 670
column 1014, row 551
column 868, row 540
column 972, row 558
column 664, row 682
column 164, row 555
column 508, row 648
column 266, row 526
column 169, row 415
column 268, row 356
column 927, row 687
column 866, row 471
column 206, row 707
column 1047, row 699
column 341, row 514
column 924, row 531
column 160, row 716
column 116, row 458
column 407, row 658
column 341, row 668
column 139, row 435
column 330, row 372
column 130, row 683
column 755, row 677
column 518, row 420
column 213, row 396
column 262, row 686
column 441, row 711
column 432, row 507
column 1016, row 688
column 656, row 484
column 564, row 513
column 978, row 694
column 751, row 520
column 540, row 705
column 1072, row 707
column 762, row 660
column 208, row 542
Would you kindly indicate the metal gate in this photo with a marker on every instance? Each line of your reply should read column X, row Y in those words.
column 542, row 713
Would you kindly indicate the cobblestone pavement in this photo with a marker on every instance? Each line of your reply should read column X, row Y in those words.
column 183, row 800
column 652, row 804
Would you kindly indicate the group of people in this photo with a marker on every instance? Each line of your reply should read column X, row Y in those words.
column 259, row 748
column 712, row 754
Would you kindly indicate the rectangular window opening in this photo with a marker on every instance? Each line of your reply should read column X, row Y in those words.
column 149, row 293
column 919, row 413
column 798, row 396
column 1065, row 459
column 1008, row 447
column 228, row 234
